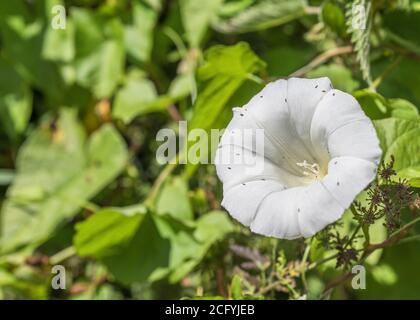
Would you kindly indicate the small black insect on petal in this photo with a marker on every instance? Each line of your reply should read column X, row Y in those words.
column 338, row 183
column 229, row 168
column 298, row 209
column 316, row 86
column 261, row 96
column 241, row 114
column 324, row 91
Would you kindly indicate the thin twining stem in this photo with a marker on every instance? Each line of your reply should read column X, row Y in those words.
column 320, row 59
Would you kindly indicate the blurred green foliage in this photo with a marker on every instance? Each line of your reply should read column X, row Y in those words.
column 80, row 107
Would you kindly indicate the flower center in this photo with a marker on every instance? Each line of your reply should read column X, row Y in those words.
column 311, row 170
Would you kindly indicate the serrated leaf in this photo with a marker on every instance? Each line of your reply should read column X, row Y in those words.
column 360, row 33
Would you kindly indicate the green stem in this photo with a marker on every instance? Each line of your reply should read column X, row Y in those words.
column 406, row 226
column 62, row 255
column 304, row 259
column 376, row 83
column 365, row 227
column 409, row 239
column 166, row 172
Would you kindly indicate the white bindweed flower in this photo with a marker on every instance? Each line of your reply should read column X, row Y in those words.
column 320, row 151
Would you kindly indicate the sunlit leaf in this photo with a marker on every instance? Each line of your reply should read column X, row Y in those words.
column 400, row 138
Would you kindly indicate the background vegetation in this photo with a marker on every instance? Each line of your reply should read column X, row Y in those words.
column 80, row 108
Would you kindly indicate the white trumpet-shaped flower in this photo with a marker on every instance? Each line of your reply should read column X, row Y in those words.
column 320, row 150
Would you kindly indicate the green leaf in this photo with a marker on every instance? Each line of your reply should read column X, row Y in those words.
column 225, row 70
column 57, row 172
column 340, row 76
column 333, row 16
column 400, row 138
column 402, row 28
column 22, row 45
column 139, row 35
column 105, row 232
column 141, row 258
column 100, row 54
column 285, row 59
column 378, row 107
column 360, row 36
column 196, row 16
column 110, row 65
column 173, row 199
column 373, row 104
column 384, row 274
column 140, row 247
column 137, row 97
column 237, row 61
column 401, row 81
column 213, row 226
column 58, row 44
column 23, row 283
column 403, row 109
column 15, row 101
column 235, row 288
column 6, row 177
column 262, row 15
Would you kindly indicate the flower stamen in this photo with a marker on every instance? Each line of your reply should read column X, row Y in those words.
column 310, row 170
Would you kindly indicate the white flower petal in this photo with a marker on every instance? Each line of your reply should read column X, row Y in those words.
column 303, row 96
column 340, row 127
column 270, row 111
column 347, row 177
column 242, row 201
column 276, row 216
column 317, row 208
column 296, row 212
column 236, row 165
column 236, row 134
